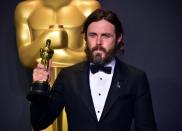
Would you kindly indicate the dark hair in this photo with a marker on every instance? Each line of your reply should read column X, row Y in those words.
column 109, row 16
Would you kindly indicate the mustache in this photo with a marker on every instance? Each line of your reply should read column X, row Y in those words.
column 98, row 47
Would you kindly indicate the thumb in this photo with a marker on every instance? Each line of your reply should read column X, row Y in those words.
column 49, row 70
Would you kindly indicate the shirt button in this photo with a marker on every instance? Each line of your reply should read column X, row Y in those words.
column 100, row 78
column 99, row 94
column 98, row 111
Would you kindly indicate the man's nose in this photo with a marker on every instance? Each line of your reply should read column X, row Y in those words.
column 99, row 40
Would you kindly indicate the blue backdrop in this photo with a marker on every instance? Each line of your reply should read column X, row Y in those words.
column 153, row 43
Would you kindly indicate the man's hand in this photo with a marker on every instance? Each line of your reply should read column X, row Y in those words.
column 40, row 73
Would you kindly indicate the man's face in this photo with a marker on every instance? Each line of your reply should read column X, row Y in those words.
column 101, row 41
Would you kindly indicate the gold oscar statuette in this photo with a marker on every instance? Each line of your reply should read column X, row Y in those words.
column 46, row 54
column 39, row 90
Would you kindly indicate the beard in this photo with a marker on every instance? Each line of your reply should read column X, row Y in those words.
column 97, row 58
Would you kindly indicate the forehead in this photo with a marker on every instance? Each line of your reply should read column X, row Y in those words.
column 102, row 26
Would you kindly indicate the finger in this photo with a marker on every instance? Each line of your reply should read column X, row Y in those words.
column 40, row 74
column 41, row 66
column 40, row 77
column 49, row 70
column 39, row 71
column 50, row 63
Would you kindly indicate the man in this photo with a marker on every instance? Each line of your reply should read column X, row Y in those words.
column 102, row 93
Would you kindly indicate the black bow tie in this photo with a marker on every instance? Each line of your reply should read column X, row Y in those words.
column 95, row 68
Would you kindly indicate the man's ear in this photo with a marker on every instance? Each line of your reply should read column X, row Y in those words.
column 120, row 42
column 119, row 39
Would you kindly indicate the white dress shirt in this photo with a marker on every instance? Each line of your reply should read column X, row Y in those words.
column 100, row 83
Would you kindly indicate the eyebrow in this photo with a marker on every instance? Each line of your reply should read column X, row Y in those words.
column 94, row 33
column 91, row 33
column 108, row 34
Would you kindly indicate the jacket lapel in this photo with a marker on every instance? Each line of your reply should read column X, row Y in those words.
column 117, row 85
column 84, row 88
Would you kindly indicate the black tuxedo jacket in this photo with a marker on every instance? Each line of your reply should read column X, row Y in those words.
column 128, row 99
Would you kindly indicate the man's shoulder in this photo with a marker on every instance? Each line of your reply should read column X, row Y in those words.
column 131, row 69
column 76, row 67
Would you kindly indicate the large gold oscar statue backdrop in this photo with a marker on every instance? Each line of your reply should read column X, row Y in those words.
column 60, row 21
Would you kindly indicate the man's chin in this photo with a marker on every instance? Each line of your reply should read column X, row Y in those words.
column 97, row 59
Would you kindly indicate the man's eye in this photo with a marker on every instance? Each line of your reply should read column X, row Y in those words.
column 106, row 36
column 91, row 35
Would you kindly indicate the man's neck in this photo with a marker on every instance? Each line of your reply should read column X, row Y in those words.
column 108, row 62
